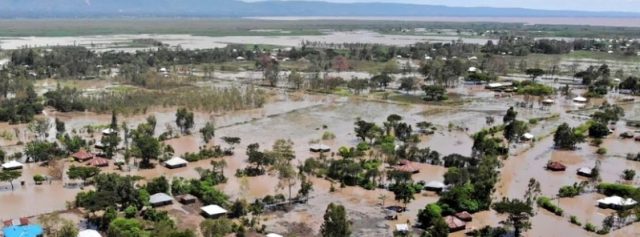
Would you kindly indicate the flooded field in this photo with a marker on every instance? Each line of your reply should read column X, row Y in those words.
column 124, row 42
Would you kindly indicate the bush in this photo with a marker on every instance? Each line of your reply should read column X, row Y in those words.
column 130, row 212
column 38, row 179
column 574, row 220
column 570, row 191
column 622, row 190
column 546, row 203
column 628, row 174
column 598, row 130
column 601, row 151
column 590, row 227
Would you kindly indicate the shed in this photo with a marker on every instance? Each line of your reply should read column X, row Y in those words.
column 23, row 231
column 175, row 162
column 82, row 155
column 527, row 136
column 556, row 166
column 548, row 102
column 580, row 99
column 213, row 211
column 109, row 131
column 99, row 162
column 12, row 165
column 187, row 199
column 273, row 235
column 402, row 228
column 435, row 186
column 89, row 233
column 616, row 202
column 454, row 223
column 464, row 216
column 319, row 148
column 160, row 199
column 585, row 171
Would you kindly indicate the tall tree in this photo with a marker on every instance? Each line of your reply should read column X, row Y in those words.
column 518, row 214
column 208, row 131
column 335, row 223
column 10, row 176
column 184, row 120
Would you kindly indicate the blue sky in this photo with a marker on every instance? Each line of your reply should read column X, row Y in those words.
column 583, row 5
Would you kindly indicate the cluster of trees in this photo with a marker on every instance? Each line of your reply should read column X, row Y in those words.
column 597, row 79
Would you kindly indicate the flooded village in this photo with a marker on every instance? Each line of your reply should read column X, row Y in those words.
column 346, row 133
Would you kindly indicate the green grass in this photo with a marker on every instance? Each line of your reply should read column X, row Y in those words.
column 601, row 56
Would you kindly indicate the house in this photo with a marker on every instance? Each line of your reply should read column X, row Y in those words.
column 556, row 166
column 213, row 211
column 527, row 137
column 82, row 155
column 434, row 186
column 89, row 233
column 12, row 165
column 464, row 216
column 402, row 228
column 319, row 148
column 585, row 171
column 23, row 231
column 407, row 166
column 616, row 202
column 109, row 131
column 454, row 223
column 99, row 162
column 187, row 199
column 160, row 199
column 548, row 102
column 175, row 162
column 16, row 222
column 273, row 235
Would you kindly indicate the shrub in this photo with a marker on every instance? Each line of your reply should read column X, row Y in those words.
column 574, row 220
column 611, row 189
column 628, row 174
column 570, row 191
column 38, row 179
column 546, row 203
column 590, row 227
column 601, row 151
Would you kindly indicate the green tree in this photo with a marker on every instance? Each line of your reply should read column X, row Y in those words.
column 82, row 172
column 628, row 174
column 408, row 84
column 68, row 229
column 434, row 92
column 510, row 116
column 514, row 130
column 121, row 227
column 296, row 79
column 216, row 228
column 10, row 176
column 429, row 215
column 184, row 120
column 598, row 130
column 146, row 147
column 565, row 137
column 335, row 223
column 534, row 73
column 518, row 214
column 439, row 229
column 404, row 192
column 158, row 185
column 208, row 131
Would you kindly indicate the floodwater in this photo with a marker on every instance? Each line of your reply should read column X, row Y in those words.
column 594, row 21
column 122, row 42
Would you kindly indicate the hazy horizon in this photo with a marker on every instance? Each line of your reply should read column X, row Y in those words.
column 577, row 5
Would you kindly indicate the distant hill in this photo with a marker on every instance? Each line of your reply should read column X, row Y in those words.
column 234, row 8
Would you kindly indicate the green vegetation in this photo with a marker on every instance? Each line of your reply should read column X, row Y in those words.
column 566, row 137
column 574, row 220
column 336, row 223
column 571, row 190
column 547, row 204
column 622, row 190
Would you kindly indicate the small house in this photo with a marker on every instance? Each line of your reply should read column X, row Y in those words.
column 12, row 165
column 435, row 186
column 616, row 202
column 23, row 231
column 175, row 162
column 454, row 223
column 556, row 166
column 464, row 216
column 109, row 131
column 527, row 137
column 273, row 235
column 160, row 199
column 82, row 155
column 585, row 171
column 213, row 211
column 407, row 166
column 319, row 148
column 187, row 199
column 580, row 99
column 548, row 102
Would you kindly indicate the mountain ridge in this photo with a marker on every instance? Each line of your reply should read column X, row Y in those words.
column 234, row 8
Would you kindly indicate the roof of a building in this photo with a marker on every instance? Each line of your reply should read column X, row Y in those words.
column 12, row 165
column 454, row 223
column 89, row 233
column 160, row 198
column 407, row 166
column 585, row 170
column 82, row 154
column 465, row 216
column 319, row 148
column 273, row 235
column 618, row 201
column 108, row 131
column 402, row 227
column 213, row 210
column 580, row 99
column 554, row 165
column 435, row 184
column 175, row 161
column 99, row 162
column 23, row 231
column 527, row 136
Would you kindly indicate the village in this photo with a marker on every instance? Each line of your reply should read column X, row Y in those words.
column 517, row 137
